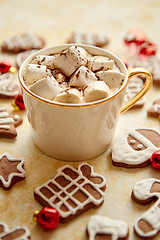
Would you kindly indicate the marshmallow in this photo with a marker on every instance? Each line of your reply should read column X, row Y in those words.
column 96, row 91
column 69, row 96
column 112, row 78
column 82, row 77
column 35, row 72
column 60, row 77
column 97, row 63
column 46, row 87
column 44, row 60
column 70, row 59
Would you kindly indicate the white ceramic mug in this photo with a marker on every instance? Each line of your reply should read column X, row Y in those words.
column 77, row 132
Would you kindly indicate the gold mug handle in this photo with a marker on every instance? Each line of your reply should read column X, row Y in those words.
column 147, row 84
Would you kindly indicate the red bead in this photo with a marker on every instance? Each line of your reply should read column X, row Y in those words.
column 19, row 101
column 155, row 160
column 148, row 49
column 135, row 36
column 5, row 66
column 48, row 218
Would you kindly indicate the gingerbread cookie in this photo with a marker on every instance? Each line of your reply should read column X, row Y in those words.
column 16, row 234
column 100, row 228
column 144, row 191
column 6, row 76
column 11, row 171
column 8, row 89
column 72, row 191
column 151, row 64
column 24, row 42
column 133, row 87
column 22, row 56
column 135, row 147
column 8, row 124
column 154, row 111
column 98, row 40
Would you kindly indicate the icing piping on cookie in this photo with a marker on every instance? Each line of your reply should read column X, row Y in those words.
column 121, row 149
column 21, row 173
column 104, row 225
column 5, row 119
column 142, row 191
column 156, row 107
column 23, row 234
column 8, row 88
column 78, row 187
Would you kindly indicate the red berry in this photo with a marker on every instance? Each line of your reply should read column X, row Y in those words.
column 5, row 66
column 19, row 101
column 48, row 218
column 155, row 160
column 148, row 49
column 135, row 36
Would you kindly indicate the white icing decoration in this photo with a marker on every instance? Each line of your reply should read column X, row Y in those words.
column 133, row 87
column 8, row 88
column 142, row 192
column 142, row 188
column 7, row 127
column 104, row 225
column 5, row 119
column 63, row 200
column 3, row 114
column 132, row 141
column 6, row 232
column 140, row 146
column 156, row 107
column 123, row 152
column 2, row 109
column 21, row 172
column 16, row 117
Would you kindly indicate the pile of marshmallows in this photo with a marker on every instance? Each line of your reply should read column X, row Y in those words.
column 73, row 76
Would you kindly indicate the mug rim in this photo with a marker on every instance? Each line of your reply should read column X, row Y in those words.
column 62, row 47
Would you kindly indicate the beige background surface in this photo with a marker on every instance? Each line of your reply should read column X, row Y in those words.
column 55, row 20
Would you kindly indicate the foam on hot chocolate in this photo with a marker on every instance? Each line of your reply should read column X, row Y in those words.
column 73, row 76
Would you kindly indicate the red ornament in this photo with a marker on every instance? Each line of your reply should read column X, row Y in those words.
column 125, row 63
column 155, row 160
column 5, row 66
column 48, row 218
column 135, row 36
column 19, row 101
column 148, row 49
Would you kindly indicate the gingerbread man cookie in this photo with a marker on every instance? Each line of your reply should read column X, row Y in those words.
column 24, row 42
column 72, row 191
column 154, row 111
column 135, row 147
column 8, row 124
column 144, row 191
column 16, row 234
column 11, row 171
column 98, row 40
column 100, row 228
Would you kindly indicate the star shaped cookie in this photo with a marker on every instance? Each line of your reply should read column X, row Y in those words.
column 11, row 171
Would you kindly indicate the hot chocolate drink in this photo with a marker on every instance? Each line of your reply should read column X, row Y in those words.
column 73, row 76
